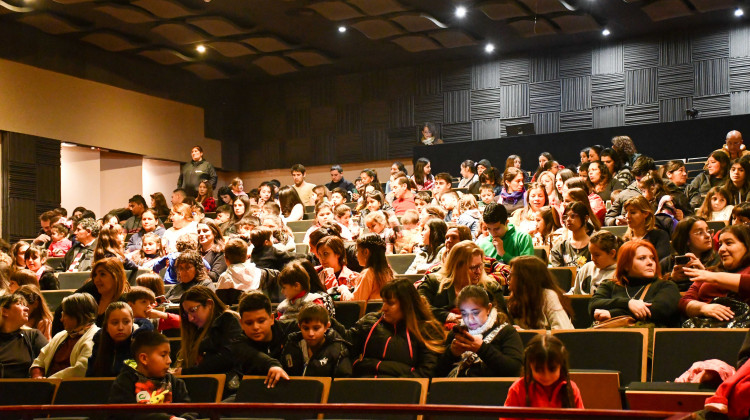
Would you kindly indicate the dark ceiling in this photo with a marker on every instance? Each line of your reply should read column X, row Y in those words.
column 260, row 39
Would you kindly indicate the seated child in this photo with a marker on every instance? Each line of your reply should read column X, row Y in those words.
column 317, row 349
column 295, row 286
column 339, row 196
column 60, row 243
column 486, row 195
column 449, row 201
column 377, row 223
column 264, row 254
column 186, row 242
column 150, row 253
column 246, row 225
column 147, row 379
column 469, row 214
column 112, row 342
column 422, row 199
column 342, row 215
column 143, row 301
column 241, row 274
column 223, row 213
column 333, row 271
column 410, row 232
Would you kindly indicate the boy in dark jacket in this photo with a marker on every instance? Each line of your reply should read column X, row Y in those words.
column 316, row 350
column 149, row 381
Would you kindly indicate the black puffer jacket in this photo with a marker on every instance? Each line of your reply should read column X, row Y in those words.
column 382, row 349
column 214, row 351
column 331, row 360
column 502, row 356
column 442, row 302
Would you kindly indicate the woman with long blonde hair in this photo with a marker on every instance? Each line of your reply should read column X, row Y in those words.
column 463, row 267
column 642, row 225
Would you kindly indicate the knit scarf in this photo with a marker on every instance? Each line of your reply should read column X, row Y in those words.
column 511, row 198
column 79, row 330
column 428, row 141
column 469, row 358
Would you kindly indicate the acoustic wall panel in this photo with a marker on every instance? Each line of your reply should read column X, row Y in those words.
column 485, row 104
column 647, row 113
column 321, row 93
column 348, row 89
column 485, row 75
column 429, row 81
column 349, row 119
column 375, row 145
column 575, row 63
column 544, row 68
column 739, row 102
column 485, row 129
column 325, row 148
column 374, row 86
column 457, row 105
column 713, row 106
column 456, row 132
column 402, row 112
column 546, row 122
column 609, row 116
column 428, row 108
column 544, row 97
column 323, row 120
column 674, row 49
column 640, row 54
column 514, row 100
column 711, row 77
column 674, row 109
column 401, row 141
column 576, row 120
column 607, row 89
column 374, row 115
column 739, row 41
column 607, row 59
column 739, row 73
column 456, row 78
column 710, row 45
column 298, row 150
column 575, row 93
column 504, row 123
column 349, row 148
column 641, row 86
column 675, row 81
column 514, row 70
column 298, row 123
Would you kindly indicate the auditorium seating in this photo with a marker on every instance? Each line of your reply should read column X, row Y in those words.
column 616, row 230
column 55, row 297
column 348, row 313
column 378, row 391
column 204, row 388
column 582, row 318
column 297, row 390
column 27, row 391
column 564, row 276
column 670, row 397
column 468, row 391
column 400, row 262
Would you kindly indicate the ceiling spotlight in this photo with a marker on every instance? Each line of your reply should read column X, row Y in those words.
column 201, row 48
column 460, row 12
column 342, row 29
column 606, row 32
column 739, row 12
column 489, row 48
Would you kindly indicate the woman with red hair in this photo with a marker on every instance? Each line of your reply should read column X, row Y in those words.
column 637, row 289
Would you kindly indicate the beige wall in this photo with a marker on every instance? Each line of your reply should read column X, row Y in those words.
column 159, row 176
column 121, row 177
column 53, row 105
column 79, row 178
column 320, row 174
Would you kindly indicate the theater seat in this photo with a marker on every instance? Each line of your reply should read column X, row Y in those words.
column 400, row 262
column 468, row 391
column 296, row 390
column 27, row 391
column 564, row 276
column 204, row 388
column 378, row 391
column 55, row 297
column 600, row 390
column 527, row 335
column 348, row 313
column 616, row 230
column 582, row 318
column 73, row 391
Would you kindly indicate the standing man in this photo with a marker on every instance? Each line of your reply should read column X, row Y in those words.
column 734, row 147
column 196, row 171
column 137, row 205
column 304, row 189
column 338, row 181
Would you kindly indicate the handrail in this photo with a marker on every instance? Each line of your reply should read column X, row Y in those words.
column 217, row 409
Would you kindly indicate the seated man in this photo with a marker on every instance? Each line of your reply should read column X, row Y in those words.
column 81, row 256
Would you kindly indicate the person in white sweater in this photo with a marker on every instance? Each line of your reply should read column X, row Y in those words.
column 536, row 301
column 67, row 354
column 241, row 274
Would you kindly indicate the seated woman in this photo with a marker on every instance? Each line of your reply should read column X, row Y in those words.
column 36, row 261
column 182, row 223
column 512, row 194
column 691, row 238
column 602, row 183
column 402, row 340
column 112, row 342
column 524, row 219
column 109, row 244
column 547, row 179
column 149, row 224
column 191, row 272
column 291, row 205
column 240, row 209
column 730, row 278
column 637, row 289
column 463, row 267
column 433, row 241
column 18, row 254
column 547, row 225
column 206, row 196
column 642, row 225
column 738, row 185
column 422, row 176
column 715, row 175
column 19, row 345
column 159, row 204
column 536, row 301
column 67, row 354
column 603, row 247
column 484, row 344
column 573, row 251
column 596, row 215
column 376, row 270
column 40, row 316
column 208, row 329
column 333, row 270
column 212, row 247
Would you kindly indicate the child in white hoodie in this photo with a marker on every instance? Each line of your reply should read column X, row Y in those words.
column 241, row 274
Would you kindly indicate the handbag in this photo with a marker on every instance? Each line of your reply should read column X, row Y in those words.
column 741, row 317
column 622, row 321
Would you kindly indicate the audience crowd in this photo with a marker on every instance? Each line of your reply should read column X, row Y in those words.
column 225, row 273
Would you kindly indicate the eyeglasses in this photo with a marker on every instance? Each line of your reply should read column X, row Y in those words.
column 194, row 309
column 701, row 233
column 477, row 267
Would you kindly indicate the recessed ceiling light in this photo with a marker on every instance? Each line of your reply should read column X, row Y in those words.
column 489, row 48
column 460, row 12
column 342, row 29
column 201, row 48
column 606, row 32
column 739, row 12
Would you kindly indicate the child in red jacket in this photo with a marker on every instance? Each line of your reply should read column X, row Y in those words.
column 545, row 382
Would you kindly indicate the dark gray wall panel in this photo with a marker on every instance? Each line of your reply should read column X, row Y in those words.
column 402, row 112
column 642, row 114
column 575, row 63
column 607, row 89
column 641, row 86
column 739, row 41
column 428, row 80
column 456, row 132
column 676, row 81
column 546, row 122
column 739, row 102
column 711, row 77
column 576, row 120
column 375, row 144
column 544, row 96
column 575, row 93
column 639, row 54
column 485, row 75
column 674, row 109
column 514, row 101
column 739, row 73
column 675, row 49
column 713, row 106
column 544, row 68
column 485, row 129
column 485, row 104
column 457, row 106
column 514, row 70
column 609, row 116
column 607, row 59
column 401, row 141
column 349, row 119
column 710, row 45
column 456, row 78
column 428, row 108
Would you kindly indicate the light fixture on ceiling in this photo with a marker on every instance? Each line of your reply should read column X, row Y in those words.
column 489, row 48
column 342, row 29
column 606, row 32
column 201, row 48
column 460, row 12
column 738, row 12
